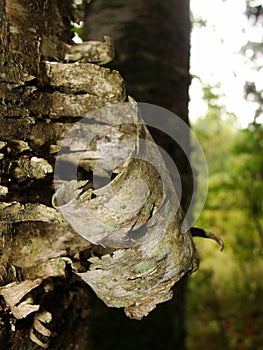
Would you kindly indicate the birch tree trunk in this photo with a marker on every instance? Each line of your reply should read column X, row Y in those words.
column 130, row 258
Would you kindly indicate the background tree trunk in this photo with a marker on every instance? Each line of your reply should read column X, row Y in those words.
column 152, row 43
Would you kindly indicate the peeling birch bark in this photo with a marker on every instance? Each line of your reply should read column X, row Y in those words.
column 124, row 238
column 151, row 253
column 137, row 214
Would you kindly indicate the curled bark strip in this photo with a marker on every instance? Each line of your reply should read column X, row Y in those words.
column 199, row 232
column 13, row 294
column 137, row 213
column 40, row 318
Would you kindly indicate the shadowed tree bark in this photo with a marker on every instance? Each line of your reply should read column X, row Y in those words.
column 152, row 44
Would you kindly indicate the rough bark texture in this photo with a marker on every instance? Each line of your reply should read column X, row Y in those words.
column 35, row 238
column 46, row 84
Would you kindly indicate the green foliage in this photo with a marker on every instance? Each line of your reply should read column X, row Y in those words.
column 224, row 298
column 198, row 22
column 80, row 8
column 254, row 10
column 249, row 174
column 253, row 50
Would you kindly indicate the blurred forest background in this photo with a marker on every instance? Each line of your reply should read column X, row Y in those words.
column 224, row 299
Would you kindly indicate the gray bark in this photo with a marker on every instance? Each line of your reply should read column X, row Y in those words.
column 43, row 92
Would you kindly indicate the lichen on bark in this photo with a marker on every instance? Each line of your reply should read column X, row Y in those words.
column 137, row 215
column 132, row 257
